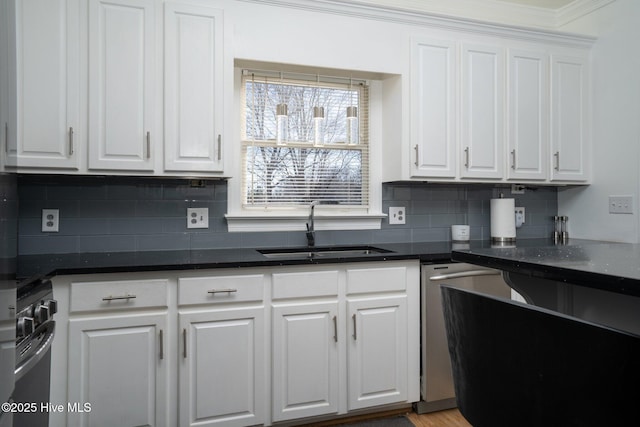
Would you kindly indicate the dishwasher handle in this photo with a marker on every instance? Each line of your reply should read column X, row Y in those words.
column 469, row 273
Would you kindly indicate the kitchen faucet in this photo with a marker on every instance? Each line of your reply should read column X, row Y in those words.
column 311, row 233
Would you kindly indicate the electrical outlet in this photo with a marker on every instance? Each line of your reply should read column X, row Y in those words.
column 50, row 220
column 519, row 211
column 621, row 204
column 397, row 215
column 197, row 217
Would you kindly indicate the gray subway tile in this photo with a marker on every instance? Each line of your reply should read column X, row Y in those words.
column 107, row 243
column 168, row 241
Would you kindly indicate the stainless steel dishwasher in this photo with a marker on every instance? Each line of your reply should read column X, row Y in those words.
column 437, row 390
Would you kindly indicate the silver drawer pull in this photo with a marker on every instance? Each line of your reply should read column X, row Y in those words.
column 112, row 298
column 221, row 291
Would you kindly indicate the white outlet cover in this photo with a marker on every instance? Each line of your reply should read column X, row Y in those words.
column 197, row 217
column 397, row 215
column 621, row 204
column 50, row 220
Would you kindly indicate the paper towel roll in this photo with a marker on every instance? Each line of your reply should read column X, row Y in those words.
column 503, row 220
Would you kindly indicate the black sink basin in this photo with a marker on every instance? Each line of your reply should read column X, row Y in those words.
column 321, row 252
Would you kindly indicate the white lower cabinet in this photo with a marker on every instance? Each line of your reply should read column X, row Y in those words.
column 377, row 351
column 343, row 338
column 305, row 360
column 117, row 351
column 221, row 367
column 117, row 366
column 221, row 351
column 235, row 347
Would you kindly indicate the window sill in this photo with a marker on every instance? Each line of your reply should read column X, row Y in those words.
column 252, row 223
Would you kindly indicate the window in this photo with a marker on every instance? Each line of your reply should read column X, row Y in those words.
column 304, row 138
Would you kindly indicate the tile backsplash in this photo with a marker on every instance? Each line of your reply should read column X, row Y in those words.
column 116, row 214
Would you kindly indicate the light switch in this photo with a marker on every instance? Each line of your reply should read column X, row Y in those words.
column 621, row 204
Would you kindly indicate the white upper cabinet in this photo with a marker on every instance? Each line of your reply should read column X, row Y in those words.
column 482, row 112
column 193, row 85
column 528, row 115
column 42, row 123
column 433, row 108
column 569, row 118
column 122, row 92
column 494, row 111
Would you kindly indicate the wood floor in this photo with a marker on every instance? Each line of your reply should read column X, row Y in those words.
column 448, row 418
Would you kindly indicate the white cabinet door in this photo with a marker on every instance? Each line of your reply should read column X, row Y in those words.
column 377, row 351
column 222, row 367
column 46, row 81
column 569, row 118
column 528, row 115
column 6, row 27
column 193, row 88
column 122, row 104
column 433, row 108
column 117, row 364
column 305, row 360
column 482, row 112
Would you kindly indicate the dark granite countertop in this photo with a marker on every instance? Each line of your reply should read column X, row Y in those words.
column 609, row 266
column 111, row 262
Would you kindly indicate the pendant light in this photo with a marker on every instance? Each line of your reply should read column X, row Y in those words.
column 282, row 124
column 282, row 119
column 318, row 126
column 352, row 121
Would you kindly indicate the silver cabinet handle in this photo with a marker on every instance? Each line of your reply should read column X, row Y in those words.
column 161, row 338
column 335, row 328
column 6, row 137
column 417, row 148
column 470, row 273
column 70, row 141
column 557, row 156
column 219, row 147
column 112, row 298
column 184, row 343
column 148, row 145
column 222, row 291
column 355, row 332
column 513, row 159
column 466, row 157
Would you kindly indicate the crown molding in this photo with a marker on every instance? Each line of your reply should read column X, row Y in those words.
column 404, row 12
column 578, row 9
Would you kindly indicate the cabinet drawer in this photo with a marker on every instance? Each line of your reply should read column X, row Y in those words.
column 305, row 284
column 118, row 295
column 219, row 289
column 385, row 279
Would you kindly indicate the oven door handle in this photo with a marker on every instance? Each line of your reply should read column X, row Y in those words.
column 40, row 352
column 470, row 273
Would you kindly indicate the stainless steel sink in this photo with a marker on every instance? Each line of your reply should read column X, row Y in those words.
column 327, row 252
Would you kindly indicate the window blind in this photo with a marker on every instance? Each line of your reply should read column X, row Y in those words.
column 310, row 158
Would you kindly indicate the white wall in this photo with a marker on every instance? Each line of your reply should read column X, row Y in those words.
column 616, row 126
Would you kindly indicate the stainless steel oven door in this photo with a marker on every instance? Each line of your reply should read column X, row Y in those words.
column 33, row 373
column 7, row 348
